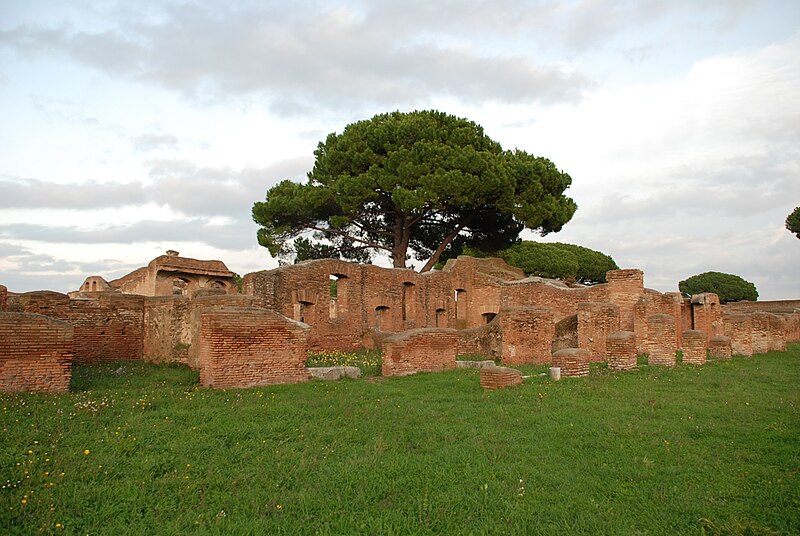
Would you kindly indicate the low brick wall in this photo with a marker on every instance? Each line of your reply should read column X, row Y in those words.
column 621, row 349
column 248, row 347
column 573, row 362
column 719, row 347
column 499, row 377
column 419, row 350
column 661, row 340
column 694, row 347
column 35, row 353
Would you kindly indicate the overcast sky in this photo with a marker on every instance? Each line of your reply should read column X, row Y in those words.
column 130, row 128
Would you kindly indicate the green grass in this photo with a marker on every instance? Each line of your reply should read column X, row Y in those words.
column 687, row 450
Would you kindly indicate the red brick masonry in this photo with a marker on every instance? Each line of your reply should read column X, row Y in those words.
column 35, row 353
column 248, row 347
column 499, row 377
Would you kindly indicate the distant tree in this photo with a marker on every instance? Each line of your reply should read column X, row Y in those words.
column 592, row 265
column 554, row 260
column 728, row 287
column 542, row 259
column 793, row 222
column 415, row 183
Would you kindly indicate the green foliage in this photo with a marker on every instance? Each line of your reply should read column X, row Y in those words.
column 559, row 261
column 728, row 287
column 414, row 182
column 793, row 222
column 239, row 282
column 661, row 450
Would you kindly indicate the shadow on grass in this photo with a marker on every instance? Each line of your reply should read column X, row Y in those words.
column 131, row 375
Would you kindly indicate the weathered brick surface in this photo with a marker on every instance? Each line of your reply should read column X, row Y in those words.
column 419, row 350
column 248, row 347
column 621, row 349
column 35, row 353
column 760, row 332
column 738, row 327
column 706, row 314
column 527, row 335
column 167, row 329
column 694, row 347
column 777, row 333
column 573, row 362
column 168, row 275
column 661, row 340
column 596, row 321
column 566, row 333
column 110, row 327
column 499, row 377
column 719, row 347
column 3, row 298
column 41, row 302
column 625, row 288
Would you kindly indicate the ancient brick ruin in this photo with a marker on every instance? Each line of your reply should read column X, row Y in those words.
column 185, row 310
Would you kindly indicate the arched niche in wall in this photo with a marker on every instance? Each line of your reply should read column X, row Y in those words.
column 383, row 321
column 304, row 311
column 488, row 317
column 440, row 320
column 460, row 298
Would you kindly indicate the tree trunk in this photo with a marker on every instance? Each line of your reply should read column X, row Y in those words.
column 402, row 237
column 447, row 239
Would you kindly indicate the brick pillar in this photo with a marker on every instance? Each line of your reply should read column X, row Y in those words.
column 694, row 347
column 621, row 348
column 719, row 347
column 661, row 340
column 3, row 298
column 573, row 362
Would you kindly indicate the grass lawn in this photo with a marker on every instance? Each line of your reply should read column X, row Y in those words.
column 141, row 449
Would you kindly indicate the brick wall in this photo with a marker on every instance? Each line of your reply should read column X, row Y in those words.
column 3, row 298
column 621, row 349
column 719, row 347
column 35, row 353
column 776, row 306
column 248, row 347
column 625, row 287
column 110, row 327
column 42, row 302
column 167, row 334
column 596, row 321
column 694, row 347
column 527, row 335
column 661, row 340
column 738, row 328
column 419, row 350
